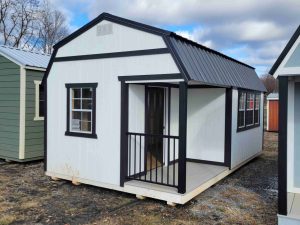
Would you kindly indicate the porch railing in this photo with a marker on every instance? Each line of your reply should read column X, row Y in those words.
column 153, row 158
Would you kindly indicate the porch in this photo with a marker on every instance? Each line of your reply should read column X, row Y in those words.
column 199, row 178
column 157, row 154
column 293, row 210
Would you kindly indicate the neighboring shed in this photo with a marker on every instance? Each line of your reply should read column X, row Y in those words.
column 272, row 112
column 21, row 104
column 287, row 70
column 142, row 110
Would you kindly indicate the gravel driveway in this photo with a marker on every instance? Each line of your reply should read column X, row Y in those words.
column 248, row 196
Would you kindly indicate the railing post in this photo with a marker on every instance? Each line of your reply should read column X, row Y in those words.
column 182, row 137
column 123, row 133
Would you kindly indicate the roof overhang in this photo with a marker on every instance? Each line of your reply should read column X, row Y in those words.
column 21, row 64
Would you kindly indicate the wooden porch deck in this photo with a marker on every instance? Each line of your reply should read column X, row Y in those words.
column 294, row 205
column 199, row 178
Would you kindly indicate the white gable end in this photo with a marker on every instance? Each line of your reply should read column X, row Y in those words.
column 290, row 65
column 106, row 37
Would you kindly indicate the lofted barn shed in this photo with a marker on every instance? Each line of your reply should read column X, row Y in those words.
column 138, row 109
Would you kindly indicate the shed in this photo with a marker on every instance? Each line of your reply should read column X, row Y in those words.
column 21, row 104
column 272, row 112
column 287, row 70
column 138, row 109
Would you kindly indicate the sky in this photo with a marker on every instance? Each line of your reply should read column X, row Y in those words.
column 251, row 31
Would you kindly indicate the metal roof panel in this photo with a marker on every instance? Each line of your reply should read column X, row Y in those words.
column 25, row 58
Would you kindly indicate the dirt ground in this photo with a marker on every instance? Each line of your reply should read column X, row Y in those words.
column 248, row 196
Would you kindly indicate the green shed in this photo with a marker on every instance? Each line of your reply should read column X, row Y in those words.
column 21, row 104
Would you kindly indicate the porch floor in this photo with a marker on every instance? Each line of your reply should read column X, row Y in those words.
column 294, row 205
column 199, row 177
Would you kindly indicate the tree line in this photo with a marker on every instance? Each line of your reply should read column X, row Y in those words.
column 31, row 24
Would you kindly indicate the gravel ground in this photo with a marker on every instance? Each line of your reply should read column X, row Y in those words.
column 248, row 196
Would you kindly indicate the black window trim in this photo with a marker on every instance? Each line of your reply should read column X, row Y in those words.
column 254, row 125
column 78, row 134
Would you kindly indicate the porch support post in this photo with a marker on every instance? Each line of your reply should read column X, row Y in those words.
column 228, row 127
column 282, row 146
column 124, row 130
column 182, row 137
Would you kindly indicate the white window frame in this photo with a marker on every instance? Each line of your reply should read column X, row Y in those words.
column 37, row 116
column 80, row 110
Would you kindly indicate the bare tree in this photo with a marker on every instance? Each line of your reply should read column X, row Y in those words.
column 18, row 22
column 31, row 24
column 270, row 83
column 53, row 27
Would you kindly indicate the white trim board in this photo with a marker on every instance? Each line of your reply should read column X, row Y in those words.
column 22, row 113
column 37, row 116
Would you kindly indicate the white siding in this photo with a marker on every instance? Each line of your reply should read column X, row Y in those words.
column 174, row 123
column 136, row 111
column 136, row 123
column 245, row 144
column 206, row 124
column 174, row 117
column 122, row 39
column 94, row 159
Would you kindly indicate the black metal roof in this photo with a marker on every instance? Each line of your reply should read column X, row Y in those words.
column 213, row 68
column 196, row 62
column 285, row 51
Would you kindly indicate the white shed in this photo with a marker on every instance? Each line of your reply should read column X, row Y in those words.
column 287, row 70
column 142, row 110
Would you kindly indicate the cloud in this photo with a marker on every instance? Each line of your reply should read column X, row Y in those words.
column 253, row 31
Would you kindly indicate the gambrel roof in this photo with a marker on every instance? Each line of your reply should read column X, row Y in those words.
column 195, row 62
column 25, row 58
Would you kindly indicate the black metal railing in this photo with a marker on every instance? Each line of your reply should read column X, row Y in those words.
column 153, row 158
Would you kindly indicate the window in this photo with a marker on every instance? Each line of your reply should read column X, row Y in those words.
column 81, row 110
column 39, row 101
column 248, row 110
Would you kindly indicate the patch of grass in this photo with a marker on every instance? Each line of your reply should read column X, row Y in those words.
column 29, row 205
column 7, row 219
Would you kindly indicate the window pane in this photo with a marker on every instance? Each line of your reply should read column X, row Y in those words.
column 75, row 125
column 75, row 93
column 41, row 108
column 86, row 104
column 257, row 101
column 86, row 116
column 250, row 101
column 249, row 117
column 241, row 119
column 41, row 92
column 86, row 126
column 76, row 104
column 242, row 101
column 256, row 116
column 87, row 92
column 76, row 115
